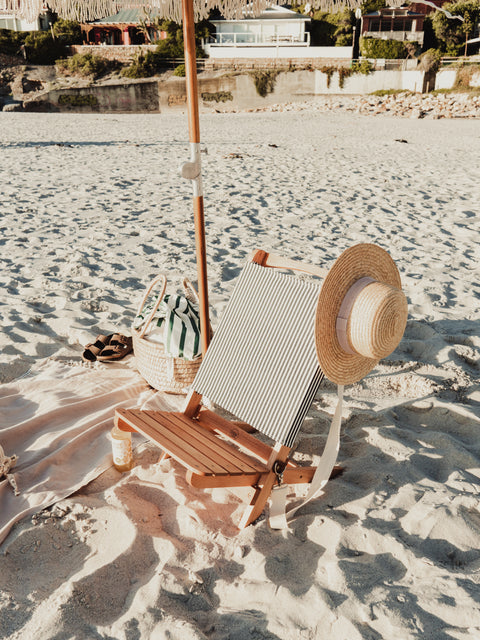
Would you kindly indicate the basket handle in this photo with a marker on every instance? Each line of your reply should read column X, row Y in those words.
column 192, row 295
column 190, row 291
column 161, row 278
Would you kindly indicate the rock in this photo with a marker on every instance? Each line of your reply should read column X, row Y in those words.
column 15, row 105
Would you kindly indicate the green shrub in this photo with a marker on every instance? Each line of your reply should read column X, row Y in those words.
column 431, row 60
column 377, row 48
column 180, row 71
column 264, row 81
column 152, row 62
column 365, row 67
column 219, row 96
column 389, row 92
column 41, row 48
column 328, row 71
column 144, row 65
column 11, row 41
column 78, row 100
column 343, row 73
column 464, row 76
column 6, row 78
column 86, row 64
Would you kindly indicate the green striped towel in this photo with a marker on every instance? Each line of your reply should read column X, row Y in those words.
column 177, row 321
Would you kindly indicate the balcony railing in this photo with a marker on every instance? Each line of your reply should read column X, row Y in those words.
column 257, row 40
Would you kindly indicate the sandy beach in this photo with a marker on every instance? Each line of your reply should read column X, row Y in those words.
column 92, row 209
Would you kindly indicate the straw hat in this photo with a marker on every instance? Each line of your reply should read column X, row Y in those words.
column 361, row 313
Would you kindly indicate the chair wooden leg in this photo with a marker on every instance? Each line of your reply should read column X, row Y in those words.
column 258, row 502
column 262, row 493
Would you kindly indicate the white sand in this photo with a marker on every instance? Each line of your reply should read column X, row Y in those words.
column 91, row 209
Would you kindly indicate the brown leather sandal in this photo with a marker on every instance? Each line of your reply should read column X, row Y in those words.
column 92, row 350
column 118, row 348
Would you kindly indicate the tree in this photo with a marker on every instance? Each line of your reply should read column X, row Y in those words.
column 329, row 29
column 369, row 6
column 149, row 22
column 322, row 30
column 67, row 31
column 172, row 45
column 345, row 21
column 41, row 48
column 451, row 33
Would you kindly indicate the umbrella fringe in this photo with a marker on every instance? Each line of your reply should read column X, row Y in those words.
column 88, row 10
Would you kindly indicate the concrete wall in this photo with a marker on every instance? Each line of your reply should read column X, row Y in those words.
column 376, row 81
column 445, row 78
column 120, row 98
column 284, row 53
column 228, row 91
column 237, row 91
column 475, row 81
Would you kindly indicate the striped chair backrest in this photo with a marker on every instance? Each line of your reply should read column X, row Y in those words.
column 261, row 365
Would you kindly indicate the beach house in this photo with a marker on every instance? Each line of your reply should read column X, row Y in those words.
column 126, row 27
column 10, row 21
column 394, row 24
column 274, row 26
column 277, row 32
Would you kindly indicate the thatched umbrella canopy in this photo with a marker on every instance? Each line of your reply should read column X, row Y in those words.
column 186, row 11
column 85, row 10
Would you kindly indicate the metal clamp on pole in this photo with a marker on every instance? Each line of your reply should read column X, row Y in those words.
column 192, row 170
column 278, row 469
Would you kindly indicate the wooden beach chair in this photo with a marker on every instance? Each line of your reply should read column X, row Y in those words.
column 261, row 367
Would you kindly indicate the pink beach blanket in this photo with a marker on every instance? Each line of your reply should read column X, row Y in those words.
column 57, row 421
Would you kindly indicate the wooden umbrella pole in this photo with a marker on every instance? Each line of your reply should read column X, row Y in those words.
column 193, row 170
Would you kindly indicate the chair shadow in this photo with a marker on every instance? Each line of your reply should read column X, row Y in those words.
column 170, row 533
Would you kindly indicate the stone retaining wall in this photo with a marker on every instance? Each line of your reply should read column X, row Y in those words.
column 238, row 64
column 122, row 53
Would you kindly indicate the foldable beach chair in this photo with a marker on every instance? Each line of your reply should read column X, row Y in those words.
column 262, row 368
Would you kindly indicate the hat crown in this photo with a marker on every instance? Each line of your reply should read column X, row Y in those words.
column 361, row 313
column 377, row 320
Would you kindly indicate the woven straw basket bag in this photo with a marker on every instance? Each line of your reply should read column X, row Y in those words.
column 162, row 371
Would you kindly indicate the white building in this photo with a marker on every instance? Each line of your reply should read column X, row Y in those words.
column 277, row 32
column 273, row 26
column 10, row 21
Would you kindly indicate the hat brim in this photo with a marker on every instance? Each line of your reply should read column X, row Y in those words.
column 359, row 261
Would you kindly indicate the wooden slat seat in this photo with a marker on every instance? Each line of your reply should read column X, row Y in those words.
column 190, row 443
